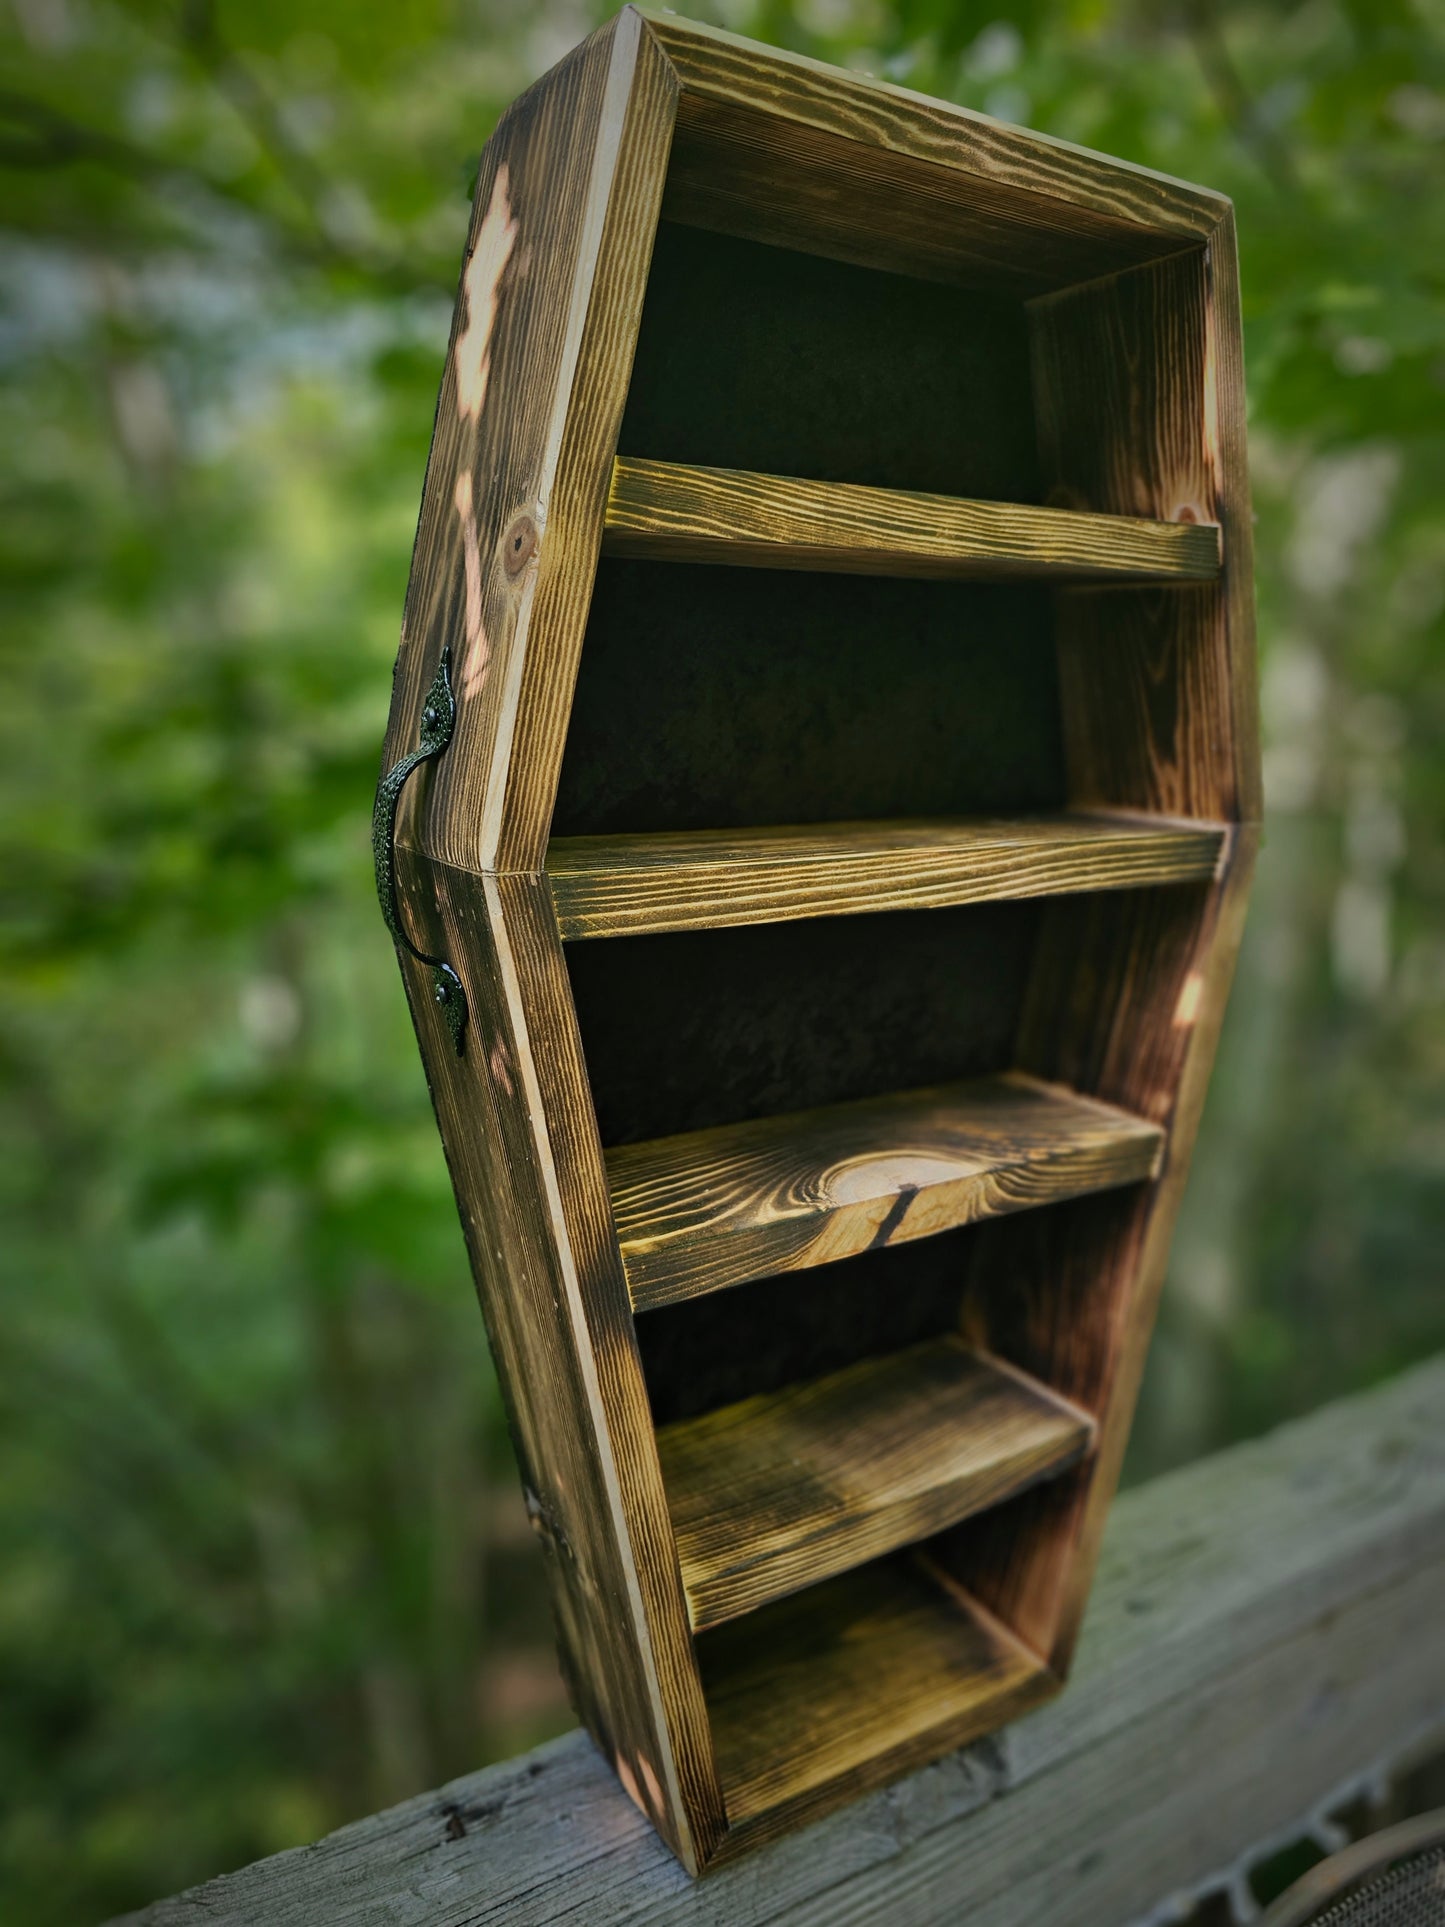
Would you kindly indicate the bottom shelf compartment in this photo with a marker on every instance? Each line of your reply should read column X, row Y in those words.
column 850, row 1683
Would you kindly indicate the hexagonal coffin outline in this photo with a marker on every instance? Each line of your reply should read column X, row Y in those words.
column 730, row 1736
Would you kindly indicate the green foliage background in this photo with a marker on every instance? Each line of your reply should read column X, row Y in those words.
column 263, row 1566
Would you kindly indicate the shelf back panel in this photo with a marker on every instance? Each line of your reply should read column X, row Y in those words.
column 757, row 1338
column 710, row 1027
column 758, row 357
column 715, row 698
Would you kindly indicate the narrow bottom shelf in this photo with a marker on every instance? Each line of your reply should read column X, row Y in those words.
column 783, row 1490
column 831, row 1691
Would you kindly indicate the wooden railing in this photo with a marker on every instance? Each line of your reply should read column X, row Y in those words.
column 1267, row 1633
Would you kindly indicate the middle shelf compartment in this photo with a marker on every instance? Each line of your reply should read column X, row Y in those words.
column 786, row 1488
column 713, row 1208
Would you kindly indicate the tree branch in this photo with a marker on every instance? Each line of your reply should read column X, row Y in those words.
column 1205, row 30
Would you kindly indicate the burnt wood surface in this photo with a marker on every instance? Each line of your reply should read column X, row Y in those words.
column 852, row 1682
column 527, row 420
column 668, row 511
column 714, row 1208
column 629, row 885
column 729, row 843
column 786, row 1488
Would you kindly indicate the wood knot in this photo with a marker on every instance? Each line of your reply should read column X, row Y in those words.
column 519, row 545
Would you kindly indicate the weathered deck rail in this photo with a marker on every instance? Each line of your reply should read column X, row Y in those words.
column 1268, row 1629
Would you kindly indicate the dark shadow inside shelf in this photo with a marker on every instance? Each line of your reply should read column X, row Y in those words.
column 708, row 1027
column 759, row 1337
column 757, row 357
column 1023, row 1288
column 714, row 698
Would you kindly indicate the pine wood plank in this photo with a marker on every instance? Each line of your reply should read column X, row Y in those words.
column 606, row 886
column 709, row 1209
column 527, row 1170
column 669, row 511
column 533, row 390
column 532, row 393
column 722, row 68
column 1174, row 728
column 821, row 1695
column 785, row 1489
column 1224, row 413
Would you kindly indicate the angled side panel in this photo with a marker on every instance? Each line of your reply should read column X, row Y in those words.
column 1126, row 1004
column 512, row 505
column 527, row 756
column 516, row 1121
column 568, row 1155
column 1138, row 387
column 1167, row 1035
column 1225, row 406
column 511, row 520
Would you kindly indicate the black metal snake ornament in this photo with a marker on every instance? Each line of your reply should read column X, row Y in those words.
column 438, row 719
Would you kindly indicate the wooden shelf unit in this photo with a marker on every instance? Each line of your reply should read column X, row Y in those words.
column 837, row 519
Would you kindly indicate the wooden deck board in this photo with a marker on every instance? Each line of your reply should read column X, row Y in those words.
column 1265, row 1630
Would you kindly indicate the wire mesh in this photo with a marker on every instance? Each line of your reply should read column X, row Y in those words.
column 1411, row 1894
column 1396, row 1879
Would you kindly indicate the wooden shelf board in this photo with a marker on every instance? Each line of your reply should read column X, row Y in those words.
column 713, row 1208
column 849, row 1684
column 677, row 513
column 611, row 886
column 782, row 1490
column 671, row 512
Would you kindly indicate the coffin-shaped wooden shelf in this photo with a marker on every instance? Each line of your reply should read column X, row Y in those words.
column 670, row 512
column 786, row 1488
column 612, row 886
column 769, row 1606
column 852, row 1682
column 713, row 1208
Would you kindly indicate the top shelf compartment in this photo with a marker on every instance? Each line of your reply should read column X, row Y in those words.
column 874, row 176
column 670, row 511
column 759, row 358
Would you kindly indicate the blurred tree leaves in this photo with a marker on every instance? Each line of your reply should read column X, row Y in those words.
column 261, row 1570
